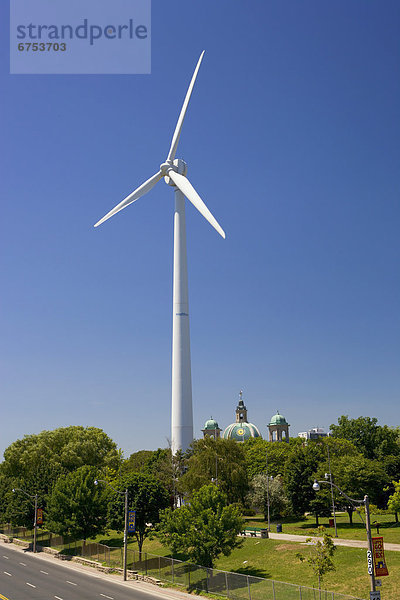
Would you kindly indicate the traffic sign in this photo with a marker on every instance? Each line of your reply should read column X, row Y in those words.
column 375, row 595
column 131, row 521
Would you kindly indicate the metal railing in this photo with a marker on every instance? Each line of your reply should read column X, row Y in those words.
column 235, row 586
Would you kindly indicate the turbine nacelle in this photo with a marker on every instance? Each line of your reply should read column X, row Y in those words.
column 178, row 166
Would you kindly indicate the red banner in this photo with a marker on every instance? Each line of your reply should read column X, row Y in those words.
column 39, row 516
column 379, row 557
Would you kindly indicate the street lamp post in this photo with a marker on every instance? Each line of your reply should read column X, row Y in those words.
column 35, row 497
column 365, row 501
column 96, row 482
column 266, row 468
column 331, row 484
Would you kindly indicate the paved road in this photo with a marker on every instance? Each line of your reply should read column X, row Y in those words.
column 26, row 576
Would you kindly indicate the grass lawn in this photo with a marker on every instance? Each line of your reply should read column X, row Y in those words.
column 389, row 529
column 277, row 560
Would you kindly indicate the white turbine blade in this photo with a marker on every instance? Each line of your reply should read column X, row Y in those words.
column 140, row 191
column 188, row 190
column 177, row 132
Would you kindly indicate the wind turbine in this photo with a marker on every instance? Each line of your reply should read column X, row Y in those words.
column 174, row 172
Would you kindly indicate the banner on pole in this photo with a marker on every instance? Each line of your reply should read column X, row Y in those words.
column 379, row 557
column 39, row 516
column 131, row 520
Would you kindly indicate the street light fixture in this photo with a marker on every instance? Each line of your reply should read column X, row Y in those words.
column 266, row 468
column 365, row 501
column 215, row 479
column 329, row 476
column 96, row 482
column 35, row 497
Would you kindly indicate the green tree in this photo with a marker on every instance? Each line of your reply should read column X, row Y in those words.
column 77, row 507
column 321, row 555
column 321, row 505
column 40, row 480
column 138, row 461
column 255, row 450
column 221, row 460
column 203, row 529
column 394, row 499
column 372, row 440
column 146, row 495
column 35, row 462
column 358, row 476
column 258, row 496
column 69, row 447
column 299, row 476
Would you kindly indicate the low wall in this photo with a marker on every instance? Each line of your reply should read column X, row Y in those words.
column 134, row 575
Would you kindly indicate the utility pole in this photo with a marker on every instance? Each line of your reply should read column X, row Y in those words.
column 266, row 467
column 330, row 480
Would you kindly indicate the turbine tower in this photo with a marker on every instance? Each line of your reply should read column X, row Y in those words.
column 174, row 172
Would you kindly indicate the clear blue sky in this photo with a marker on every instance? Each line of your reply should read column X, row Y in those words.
column 292, row 139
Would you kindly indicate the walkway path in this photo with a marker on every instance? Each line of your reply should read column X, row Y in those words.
column 337, row 541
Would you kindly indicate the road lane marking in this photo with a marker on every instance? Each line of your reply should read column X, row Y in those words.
column 44, row 572
column 3, row 597
column 4, row 556
column 58, row 597
column 9, row 574
column 71, row 582
column 104, row 596
column 31, row 584
column 23, row 564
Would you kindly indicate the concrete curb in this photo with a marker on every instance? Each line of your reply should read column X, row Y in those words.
column 131, row 575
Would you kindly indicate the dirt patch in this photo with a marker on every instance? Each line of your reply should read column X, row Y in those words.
column 283, row 547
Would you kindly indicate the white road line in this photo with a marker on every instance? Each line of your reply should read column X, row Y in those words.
column 44, row 572
column 5, row 556
column 9, row 574
column 23, row 564
column 31, row 584
column 58, row 597
column 71, row 582
column 104, row 596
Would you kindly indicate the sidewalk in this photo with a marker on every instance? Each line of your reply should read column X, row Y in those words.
column 337, row 541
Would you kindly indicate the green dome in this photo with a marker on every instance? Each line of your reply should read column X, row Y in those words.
column 278, row 420
column 211, row 424
column 240, row 432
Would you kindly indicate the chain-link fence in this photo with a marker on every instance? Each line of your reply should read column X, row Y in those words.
column 235, row 586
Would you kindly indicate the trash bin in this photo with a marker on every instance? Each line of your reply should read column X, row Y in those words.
column 279, row 528
column 331, row 523
column 264, row 533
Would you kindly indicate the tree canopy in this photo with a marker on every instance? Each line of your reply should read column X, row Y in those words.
column 146, row 495
column 221, row 460
column 67, row 448
column 77, row 507
column 203, row 529
column 394, row 498
column 255, row 450
column 258, row 496
column 299, row 476
column 372, row 440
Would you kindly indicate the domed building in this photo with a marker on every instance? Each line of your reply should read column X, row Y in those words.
column 241, row 430
column 278, row 426
column 211, row 429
